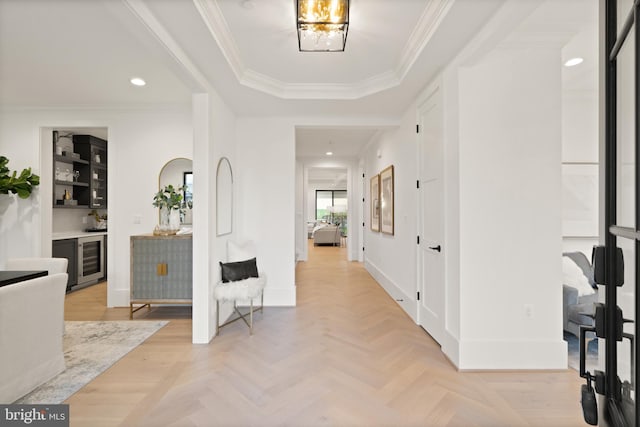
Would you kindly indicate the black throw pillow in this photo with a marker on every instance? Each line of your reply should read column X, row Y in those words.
column 234, row 271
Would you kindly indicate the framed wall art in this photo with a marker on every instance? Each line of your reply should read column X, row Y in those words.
column 375, row 203
column 386, row 200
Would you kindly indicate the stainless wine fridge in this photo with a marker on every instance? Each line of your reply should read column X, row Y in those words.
column 91, row 266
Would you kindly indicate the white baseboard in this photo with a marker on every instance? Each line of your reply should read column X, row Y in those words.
column 280, row 297
column 118, row 298
column 450, row 346
column 274, row 297
column 408, row 302
column 512, row 355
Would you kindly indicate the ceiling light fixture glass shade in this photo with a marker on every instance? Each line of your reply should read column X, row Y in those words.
column 322, row 25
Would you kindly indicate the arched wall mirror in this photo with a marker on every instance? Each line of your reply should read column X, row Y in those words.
column 224, row 198
column 179, row 173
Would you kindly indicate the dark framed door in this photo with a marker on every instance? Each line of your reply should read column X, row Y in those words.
column 617, row 263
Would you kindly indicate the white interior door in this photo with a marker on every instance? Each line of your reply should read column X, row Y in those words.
column 431, row 253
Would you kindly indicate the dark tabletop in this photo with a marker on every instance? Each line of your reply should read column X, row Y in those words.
column 10, row 277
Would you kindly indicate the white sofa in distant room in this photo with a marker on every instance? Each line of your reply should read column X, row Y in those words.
column 329, row 235
column 31, row 333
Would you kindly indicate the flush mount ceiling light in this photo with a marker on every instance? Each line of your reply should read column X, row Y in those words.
column 322, row 25
column 573, row 62
column 329, row 153
column 137, row 81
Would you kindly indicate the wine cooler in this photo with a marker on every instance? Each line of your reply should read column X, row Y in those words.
column 90, row 259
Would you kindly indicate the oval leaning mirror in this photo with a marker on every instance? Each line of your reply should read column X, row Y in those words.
column 179, row 173
column 224, row 197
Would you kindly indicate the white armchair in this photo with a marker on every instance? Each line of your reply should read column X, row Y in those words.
column 31, row 329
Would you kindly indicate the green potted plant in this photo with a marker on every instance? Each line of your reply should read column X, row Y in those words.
column 22, row 184
column 169, row 200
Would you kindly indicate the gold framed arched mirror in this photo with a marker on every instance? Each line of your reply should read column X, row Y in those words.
column 179, row 173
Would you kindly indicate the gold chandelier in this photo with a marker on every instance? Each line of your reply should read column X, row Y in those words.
column 322, row 25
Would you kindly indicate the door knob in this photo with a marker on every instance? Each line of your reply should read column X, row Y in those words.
column 435, row 248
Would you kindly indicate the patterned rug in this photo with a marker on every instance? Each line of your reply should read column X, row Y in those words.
column 89, row 349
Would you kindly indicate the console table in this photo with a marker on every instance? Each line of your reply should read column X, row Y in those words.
column 161, row 270
column 9, row 277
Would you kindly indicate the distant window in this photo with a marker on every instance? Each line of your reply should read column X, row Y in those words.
column 331, row 205
column 188, row 186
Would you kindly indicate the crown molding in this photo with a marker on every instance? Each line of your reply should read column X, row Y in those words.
column 219, row 29
column 116, row 107
column 426, row 27
column 155, row 28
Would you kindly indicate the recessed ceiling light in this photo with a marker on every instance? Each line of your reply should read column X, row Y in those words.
column 329, row 153
column 137, row 81
column 573, row 61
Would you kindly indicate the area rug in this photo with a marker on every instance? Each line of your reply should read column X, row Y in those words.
column 89, row 349
column 574, row 352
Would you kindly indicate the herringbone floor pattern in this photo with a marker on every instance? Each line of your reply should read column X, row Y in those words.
column 345, row 356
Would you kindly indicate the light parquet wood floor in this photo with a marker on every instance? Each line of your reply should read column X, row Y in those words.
column 347, row 355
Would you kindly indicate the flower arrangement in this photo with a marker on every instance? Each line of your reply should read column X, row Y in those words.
column 169, row 198
column 172, row 207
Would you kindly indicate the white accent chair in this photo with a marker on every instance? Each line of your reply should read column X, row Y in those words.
column 241, row 290
column 52, row 265
column 31, row 333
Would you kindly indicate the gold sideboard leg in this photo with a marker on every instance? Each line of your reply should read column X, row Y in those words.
column 132, row 310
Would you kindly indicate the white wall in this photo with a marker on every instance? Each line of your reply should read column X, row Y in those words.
column 510, row 227
column 266, row 201
column 391, row 260
column 214, row 137
column 580, row 147
column 301, row 238
column 580, row 115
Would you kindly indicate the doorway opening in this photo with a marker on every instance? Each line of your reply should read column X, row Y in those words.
column 327, row 206
column 329, row 189
column 74, row 165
